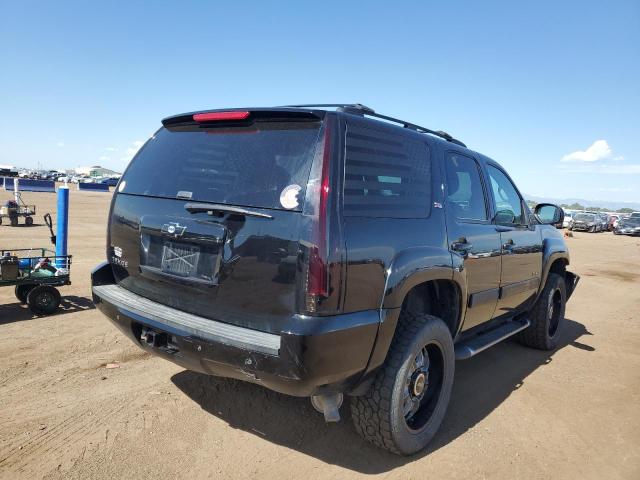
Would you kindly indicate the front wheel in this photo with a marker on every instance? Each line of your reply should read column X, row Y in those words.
column 547, row 315
column 28, row 221
column 408, row 399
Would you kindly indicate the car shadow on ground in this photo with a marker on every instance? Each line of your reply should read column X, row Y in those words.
column 16, row 312
column 481, row 385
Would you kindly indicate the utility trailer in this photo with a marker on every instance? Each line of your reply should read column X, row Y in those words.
column 14, row 210
column 35, row 273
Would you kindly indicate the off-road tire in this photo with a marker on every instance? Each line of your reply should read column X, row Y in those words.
column 28, row 221
column 541, row 334
column 378, row 415
column 22, row 291
column 43, row 300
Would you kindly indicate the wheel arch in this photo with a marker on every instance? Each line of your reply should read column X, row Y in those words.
column 415, row 276
column 555, row 259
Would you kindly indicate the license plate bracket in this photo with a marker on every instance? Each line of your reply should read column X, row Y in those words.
column 180, row 259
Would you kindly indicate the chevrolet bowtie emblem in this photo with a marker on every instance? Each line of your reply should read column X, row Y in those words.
column 173, row 228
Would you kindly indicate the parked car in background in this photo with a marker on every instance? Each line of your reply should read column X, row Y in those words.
column 586, row 222
column 635, row 215
column 112, row 182
column 604, row 222
column 568, row 220
column 628, row 226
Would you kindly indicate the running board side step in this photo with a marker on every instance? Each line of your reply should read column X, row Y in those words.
column 478, row 343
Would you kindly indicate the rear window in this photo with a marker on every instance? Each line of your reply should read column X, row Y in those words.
column 263, row 165
column 386, row 174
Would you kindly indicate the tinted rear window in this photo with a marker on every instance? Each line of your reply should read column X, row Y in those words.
column 248, row 166
column 386, row 174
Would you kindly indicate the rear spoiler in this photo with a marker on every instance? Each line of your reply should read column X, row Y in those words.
column 242, row 116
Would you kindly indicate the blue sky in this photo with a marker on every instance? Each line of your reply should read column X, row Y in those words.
column 529, row 84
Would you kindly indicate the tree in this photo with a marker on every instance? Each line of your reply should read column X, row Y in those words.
column 575, row 206
column 625, row 210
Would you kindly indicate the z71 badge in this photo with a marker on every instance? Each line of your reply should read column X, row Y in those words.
column 116, row 258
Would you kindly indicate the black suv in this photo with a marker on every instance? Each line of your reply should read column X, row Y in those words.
column 322, row 250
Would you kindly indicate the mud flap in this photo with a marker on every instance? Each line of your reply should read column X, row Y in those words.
column 571, row 280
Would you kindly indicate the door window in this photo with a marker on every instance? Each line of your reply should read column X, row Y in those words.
column 465, row 196
column 506, row 198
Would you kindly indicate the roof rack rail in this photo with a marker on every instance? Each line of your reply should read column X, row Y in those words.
column 359, row 109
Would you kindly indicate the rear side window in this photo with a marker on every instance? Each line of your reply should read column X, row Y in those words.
column 386, row 175
column 465, row 195
column 263, row 165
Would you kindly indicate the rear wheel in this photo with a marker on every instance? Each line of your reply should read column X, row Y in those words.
column 43, row 300
column 547, row 315
column 408, row 399
column 22, row 291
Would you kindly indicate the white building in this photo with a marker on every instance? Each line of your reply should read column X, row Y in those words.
column 97, row 171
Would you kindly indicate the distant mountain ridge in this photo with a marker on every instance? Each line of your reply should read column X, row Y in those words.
column 608, row 204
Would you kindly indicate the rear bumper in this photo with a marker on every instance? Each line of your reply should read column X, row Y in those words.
column 315, row 355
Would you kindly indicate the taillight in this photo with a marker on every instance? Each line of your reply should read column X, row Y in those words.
column 316, row 206
column 220, row 116
column 318, row 256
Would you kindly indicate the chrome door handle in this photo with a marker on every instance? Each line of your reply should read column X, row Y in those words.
column 461, row 245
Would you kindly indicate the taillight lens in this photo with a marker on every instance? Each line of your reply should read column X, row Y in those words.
column 316, row 206
column 318, row 277
column 220, row 116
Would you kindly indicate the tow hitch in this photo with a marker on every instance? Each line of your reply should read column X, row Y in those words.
column 160, row 340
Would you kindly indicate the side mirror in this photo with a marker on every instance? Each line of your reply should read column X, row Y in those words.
column 549, row 214
column 504, row 217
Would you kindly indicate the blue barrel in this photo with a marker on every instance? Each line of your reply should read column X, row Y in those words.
column 24, row 264
column 62, row 224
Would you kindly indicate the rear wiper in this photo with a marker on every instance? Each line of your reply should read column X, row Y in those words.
column 217, row 207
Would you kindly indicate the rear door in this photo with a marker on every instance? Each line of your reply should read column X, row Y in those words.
column 207, row 218
column 472, row 236
column 521, row 244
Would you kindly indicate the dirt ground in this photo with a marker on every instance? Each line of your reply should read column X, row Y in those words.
column 515, row 412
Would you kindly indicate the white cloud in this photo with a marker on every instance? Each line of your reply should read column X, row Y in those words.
column 599, row 150
column 104, row 158
column 111, row 149
column 60, row 144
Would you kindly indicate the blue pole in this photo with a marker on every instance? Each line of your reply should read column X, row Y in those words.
column 62, row 224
